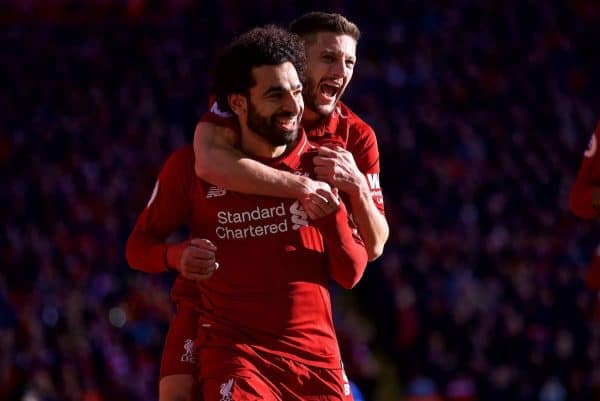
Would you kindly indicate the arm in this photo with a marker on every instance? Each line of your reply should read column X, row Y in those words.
column 338, row 167
column 584, row 199
column 167, row 211
column 219, row 162
column 346, row 252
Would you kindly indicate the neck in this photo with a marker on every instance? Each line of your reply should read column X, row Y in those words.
column 310, row 116
column 255, row 145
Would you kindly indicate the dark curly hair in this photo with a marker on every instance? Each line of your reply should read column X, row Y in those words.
column 314, row 22
column 267, row 45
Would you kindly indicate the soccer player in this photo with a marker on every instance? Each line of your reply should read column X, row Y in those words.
column 584, row 199
column 585, row 194
column 350, row 161
column 265, row 316
column 351, row 164
column 330, row 45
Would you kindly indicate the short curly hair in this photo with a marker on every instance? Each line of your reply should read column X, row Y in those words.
column 266, row 45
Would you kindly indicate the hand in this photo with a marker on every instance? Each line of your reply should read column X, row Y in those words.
column 320, row 191
column 336, row 166
column 320, row 206
column 198, row 260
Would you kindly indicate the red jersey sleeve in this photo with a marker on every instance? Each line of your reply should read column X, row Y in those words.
column 588, row 178
column 219, row 117
column 167, row 211
column 345, row 250
column 362, row 143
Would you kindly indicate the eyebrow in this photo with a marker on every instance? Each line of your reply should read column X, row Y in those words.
column 337, row 53
column 276, row 89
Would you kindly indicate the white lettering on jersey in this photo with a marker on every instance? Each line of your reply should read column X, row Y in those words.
column 260, row 221
column 373, row 179
column 591, row 150
column 346, row 381
column 299, row 216
column 258, row 214
column 153, row 196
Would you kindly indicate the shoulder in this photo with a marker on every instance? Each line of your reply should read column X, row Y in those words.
column 181, row 160
column 354, row 121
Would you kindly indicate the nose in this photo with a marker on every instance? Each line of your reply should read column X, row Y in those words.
column 339, row 69
column 293, row 104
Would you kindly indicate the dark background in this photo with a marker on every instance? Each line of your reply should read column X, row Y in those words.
column 482, row 110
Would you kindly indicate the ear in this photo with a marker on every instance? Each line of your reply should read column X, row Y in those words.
column 238, row 103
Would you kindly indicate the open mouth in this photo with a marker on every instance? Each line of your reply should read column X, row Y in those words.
column 329, row 90
column 287, row 123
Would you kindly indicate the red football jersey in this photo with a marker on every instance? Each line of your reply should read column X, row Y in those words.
column 587, row 179
column 343, row 128
column 270, row 290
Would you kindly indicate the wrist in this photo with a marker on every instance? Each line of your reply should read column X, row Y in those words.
column 301, row 186
column 360, row 191
column 173, row 255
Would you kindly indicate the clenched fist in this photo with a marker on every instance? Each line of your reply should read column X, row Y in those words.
column 197, row 258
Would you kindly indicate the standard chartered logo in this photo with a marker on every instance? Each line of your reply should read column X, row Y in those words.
column 259, row 221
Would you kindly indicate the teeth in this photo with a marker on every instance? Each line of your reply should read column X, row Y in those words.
column 329, row 89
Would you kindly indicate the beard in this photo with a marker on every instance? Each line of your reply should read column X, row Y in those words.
column 267, row 128
column 310, row 94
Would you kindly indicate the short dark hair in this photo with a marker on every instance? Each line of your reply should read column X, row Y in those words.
column 266, row 45
column 317, row 21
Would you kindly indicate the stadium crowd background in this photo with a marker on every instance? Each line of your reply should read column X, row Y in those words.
column 482, row 110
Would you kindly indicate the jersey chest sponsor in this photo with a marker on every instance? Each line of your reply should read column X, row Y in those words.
column 234, row 221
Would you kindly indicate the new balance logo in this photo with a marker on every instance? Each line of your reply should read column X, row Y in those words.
column 188, row 356
column 214, row 192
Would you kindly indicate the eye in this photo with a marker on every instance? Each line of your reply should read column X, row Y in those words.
column 328, row 58
column 350, row 63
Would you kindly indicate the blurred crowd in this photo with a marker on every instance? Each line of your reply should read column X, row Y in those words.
column 482, row 112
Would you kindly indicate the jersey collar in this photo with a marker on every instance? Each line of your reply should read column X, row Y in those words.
column 291, row 158
column 326, row 126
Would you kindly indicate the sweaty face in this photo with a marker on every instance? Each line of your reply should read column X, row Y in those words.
column 275, row 104
column 330, row 63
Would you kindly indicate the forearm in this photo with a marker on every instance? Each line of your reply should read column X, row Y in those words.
column 220, row 163
column 372, row 225
column 346, row 252
column 245, row 175
column 151, row 255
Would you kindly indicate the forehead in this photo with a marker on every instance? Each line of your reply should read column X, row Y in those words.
column 282, row 75
column 333, row 42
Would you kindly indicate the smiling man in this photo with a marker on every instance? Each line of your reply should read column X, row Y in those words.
column 349, row 157
column 263, row 310
column 348, row 161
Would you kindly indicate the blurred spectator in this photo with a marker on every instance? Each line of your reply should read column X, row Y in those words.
column 482, row 111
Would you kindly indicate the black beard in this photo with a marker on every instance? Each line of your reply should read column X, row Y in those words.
column 267, row 128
